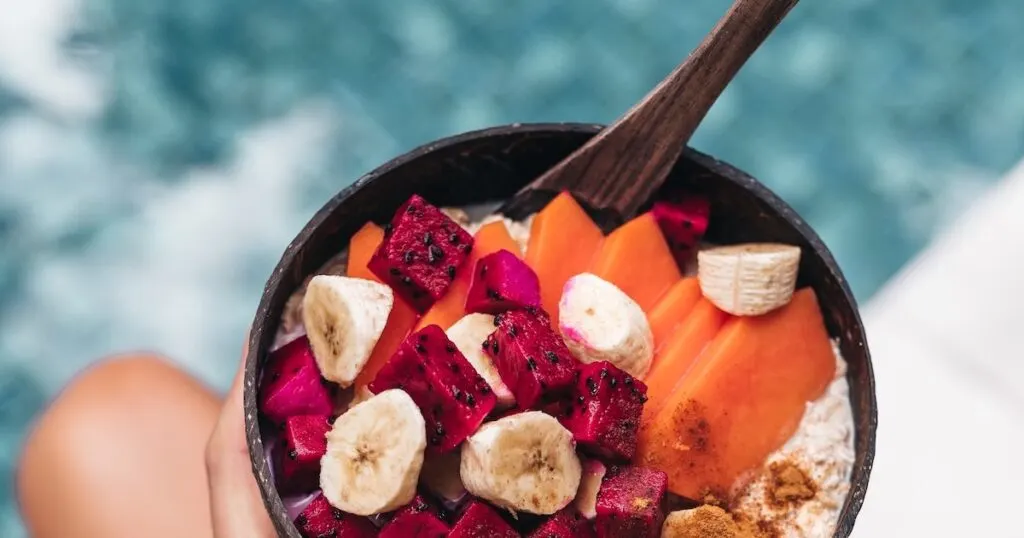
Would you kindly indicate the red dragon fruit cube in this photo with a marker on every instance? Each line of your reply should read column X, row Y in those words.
column 566, row 523
column 531, row 357
column 604, row 412
column 452, row 396
column 321, row 520
column 416, row 520
column 421, row 253
column 629, row 503
column 502, row 281
column 292, row 384
column 683, row 224
column 480, row 521
column 303, row 443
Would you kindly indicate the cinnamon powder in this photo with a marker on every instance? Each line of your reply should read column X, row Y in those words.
column 709, row 521
column 702, row 522
column 789, row 485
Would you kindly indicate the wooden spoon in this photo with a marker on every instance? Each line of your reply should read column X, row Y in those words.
column 618, row 170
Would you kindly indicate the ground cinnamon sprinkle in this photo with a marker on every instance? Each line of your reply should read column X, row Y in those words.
column 712, row 499
column 789, row 484
column 784, row 486
column 749, row 528
column 702, row 522
column 708, row 521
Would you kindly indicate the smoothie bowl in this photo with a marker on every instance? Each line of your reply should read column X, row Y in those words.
column 421, row 366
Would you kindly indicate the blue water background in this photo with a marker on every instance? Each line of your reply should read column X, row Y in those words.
column 156, row 156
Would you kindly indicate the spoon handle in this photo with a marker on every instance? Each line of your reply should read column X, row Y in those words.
column 619, row 169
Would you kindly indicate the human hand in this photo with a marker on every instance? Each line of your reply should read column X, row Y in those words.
column 235, row 503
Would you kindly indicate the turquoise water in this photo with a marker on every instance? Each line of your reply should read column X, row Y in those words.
column 156, row 157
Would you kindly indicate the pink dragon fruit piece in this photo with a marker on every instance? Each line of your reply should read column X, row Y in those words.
column 321, row 520
column 629, row 503
column 452, row 396
column 531, row 357
column 566, row 523
column 604, row 411
column 501, row 281
column 416, row 520
column 292, row 384
column 421, row 253
column 480, row 521
column 683, row 224
column 303, row 443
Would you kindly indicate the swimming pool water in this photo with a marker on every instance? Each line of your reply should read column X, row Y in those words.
column 156, row 157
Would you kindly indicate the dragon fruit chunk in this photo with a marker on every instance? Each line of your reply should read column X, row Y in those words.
column 629, row 503
column 604, row 412
column 590, row 484
column 421, row 253
column 452, row 396
column 567, row 523
column 480, row 521
column 303, row 443
column 501, row 281
column 321, row 520
column 531, row 357
column 292, row 384
column 356, row 527
column 417, row 520
column 683, row 224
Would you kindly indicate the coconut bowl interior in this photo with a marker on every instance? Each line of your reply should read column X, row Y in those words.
column 491, row 165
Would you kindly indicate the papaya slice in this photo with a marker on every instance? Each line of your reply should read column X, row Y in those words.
column 361, row 247
column 402, row 317
column 670, row 311
column 490, row 238
column 742, row 400
column 562, row 243
column 636, row 258
column 681, row 351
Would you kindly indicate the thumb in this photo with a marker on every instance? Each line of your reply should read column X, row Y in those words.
column 235, row 502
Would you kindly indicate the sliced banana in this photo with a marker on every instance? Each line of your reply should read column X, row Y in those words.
column 525, row 462
column 344, row 317
column 599, row 322
column 468, row 334
column 374, row 455
column 590, row 484
column 749, row 279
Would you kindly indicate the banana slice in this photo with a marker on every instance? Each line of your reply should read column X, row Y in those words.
column 599, row 322
column 590, row 484
column 525, row 462
column 344, row 318
column 749, row 279
column 374, row 455
column 468, row 334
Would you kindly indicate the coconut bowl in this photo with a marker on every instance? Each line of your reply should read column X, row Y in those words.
column 488, row 166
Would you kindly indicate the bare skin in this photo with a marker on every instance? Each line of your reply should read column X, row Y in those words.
column 135, row 447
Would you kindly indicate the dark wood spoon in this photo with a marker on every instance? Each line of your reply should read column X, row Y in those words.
column 618, row 171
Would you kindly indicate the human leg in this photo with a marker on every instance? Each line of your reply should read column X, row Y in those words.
column 120, row 453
